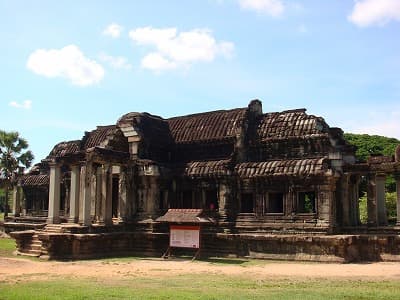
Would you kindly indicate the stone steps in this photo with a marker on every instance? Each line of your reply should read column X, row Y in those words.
column 33, row 247
column 32, row 253
column 54, row 228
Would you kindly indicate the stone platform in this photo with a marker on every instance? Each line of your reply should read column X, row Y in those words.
column 72, row 241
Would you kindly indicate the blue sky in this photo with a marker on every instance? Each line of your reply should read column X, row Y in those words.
column 67, row 66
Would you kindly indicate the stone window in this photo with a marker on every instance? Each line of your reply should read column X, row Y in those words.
column 306, row 202
column 274, row 203
column 247, row 203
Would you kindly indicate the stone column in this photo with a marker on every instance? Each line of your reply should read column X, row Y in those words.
column 16, row 207
column 372, row 219
column 131, row 187
column 123, row 196
column 354, row 201
column 87, row 194
column 152, row 196
column 325, row 205
column 381, row 199
column 346, row 199
column 54, row 194
column 397, row 178
column 291, row 201
column 98, row 205
column 106, row 195
column 225, row 200
column 67, row 196
column 74, row 194
column 258, row 199
column 93, row 194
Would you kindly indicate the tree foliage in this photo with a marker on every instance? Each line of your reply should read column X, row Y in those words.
column 375, row 145
column 372, row 145
column 13, row 154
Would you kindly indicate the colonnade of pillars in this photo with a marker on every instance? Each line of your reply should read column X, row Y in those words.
column 81, row 194
column 376, row 200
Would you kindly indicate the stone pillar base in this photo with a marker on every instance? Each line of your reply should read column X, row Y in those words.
column 53, row 220
column 122, row 220
column 73, row 220
column 102, row 223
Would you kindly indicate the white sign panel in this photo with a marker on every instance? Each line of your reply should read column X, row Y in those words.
column 184, row 236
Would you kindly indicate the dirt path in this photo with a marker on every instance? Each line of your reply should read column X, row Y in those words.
column 12, row 268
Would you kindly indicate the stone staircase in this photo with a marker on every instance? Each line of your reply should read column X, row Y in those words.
column 36, row 246
column 31, row 247
column 53, row 228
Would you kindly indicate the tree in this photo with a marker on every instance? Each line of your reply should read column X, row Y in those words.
column 13, row 155
column 368, row 145
column 372, row 145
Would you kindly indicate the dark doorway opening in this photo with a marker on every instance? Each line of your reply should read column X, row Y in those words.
column 115, row 196
column 212, row 199
column 247, row 203
column 187, row 199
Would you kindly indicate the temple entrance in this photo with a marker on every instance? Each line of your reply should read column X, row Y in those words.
column 211, row 199
column 187, row 199
column 247, row 203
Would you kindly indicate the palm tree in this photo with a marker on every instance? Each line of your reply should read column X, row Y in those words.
column 13, row 155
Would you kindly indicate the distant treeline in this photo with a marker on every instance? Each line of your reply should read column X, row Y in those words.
column 372, row 145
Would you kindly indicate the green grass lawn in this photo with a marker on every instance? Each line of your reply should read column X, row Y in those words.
column 7, row 247
column 199, row 287
column 191, row 286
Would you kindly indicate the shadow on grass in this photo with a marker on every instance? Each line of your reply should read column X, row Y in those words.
column 224, row 261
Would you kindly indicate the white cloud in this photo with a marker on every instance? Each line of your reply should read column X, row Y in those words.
column 156, row 62
column 274, row 8
column 27, row 104
column 375, row 12
column 113, row 30
column 117, row 62
column 181, row 49
column 68, row 62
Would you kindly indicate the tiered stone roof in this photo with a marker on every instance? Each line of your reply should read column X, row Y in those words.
column 65, row 148
column 98, row 136
column 285, row 167
column 207, row 144
column 35, row 180
column 290, row 123
column 214, row 168
column 207, row 127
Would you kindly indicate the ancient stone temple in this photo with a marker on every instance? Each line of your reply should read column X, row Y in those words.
column 274, row 185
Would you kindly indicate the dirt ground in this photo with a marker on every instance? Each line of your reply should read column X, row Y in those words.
column 12, row 268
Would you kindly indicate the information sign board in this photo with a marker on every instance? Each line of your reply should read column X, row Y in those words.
column 183, row 236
